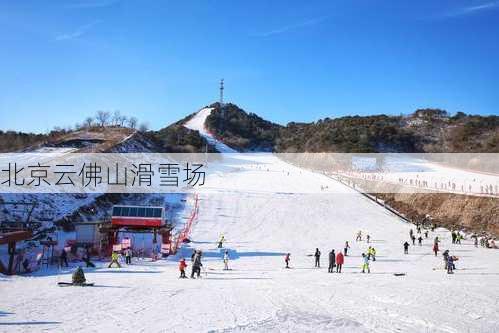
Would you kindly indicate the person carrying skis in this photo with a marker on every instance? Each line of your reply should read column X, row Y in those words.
column 196, row 265
column 406, row 248
column 359, row 236
column 114, row 260
column 182, row 266
column 365, row 265
column 317, row 256
column 347, row 246
column 226, row 260
column 287, row 258
column 339, row 262
column 332, row 261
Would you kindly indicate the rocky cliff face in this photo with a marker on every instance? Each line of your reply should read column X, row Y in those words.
column 454, row 211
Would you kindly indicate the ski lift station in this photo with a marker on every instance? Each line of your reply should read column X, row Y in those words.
column 144, row 229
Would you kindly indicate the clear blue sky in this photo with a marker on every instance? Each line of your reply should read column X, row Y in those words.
column 284, row 60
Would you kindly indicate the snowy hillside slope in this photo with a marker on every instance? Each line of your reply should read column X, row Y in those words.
column 197, row 123
column 265, row 209
column 57, row 205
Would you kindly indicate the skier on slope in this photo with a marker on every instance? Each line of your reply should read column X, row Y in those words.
column 371, row 253
column 114, row 260
column 420, row 240
column 339, row 262
column 347, row 246
column 359, row 236
column 450, row 264
column 406, row 248
column 317, row 256
column 365, row 265
column 128, row 256
column 435, row 248
column 332, row 261
column 413, row 238
column 445, row 255
column 221, row 241
column 368, row 237
column 226, row 260
column 182, row 266
column 287, row 258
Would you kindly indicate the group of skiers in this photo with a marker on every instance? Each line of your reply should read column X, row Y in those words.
column 449, row 260
column 336, row 260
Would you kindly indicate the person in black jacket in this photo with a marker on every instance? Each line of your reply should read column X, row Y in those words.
column 196, row 264
column 317, row 256
column 332, row 261
column 406, row 248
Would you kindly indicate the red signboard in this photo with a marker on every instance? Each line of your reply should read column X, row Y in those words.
column 137, row 221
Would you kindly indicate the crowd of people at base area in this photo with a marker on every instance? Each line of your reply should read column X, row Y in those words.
column 449, row 260
column 336, row 260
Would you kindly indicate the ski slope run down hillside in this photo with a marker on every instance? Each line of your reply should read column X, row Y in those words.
column 262, row 216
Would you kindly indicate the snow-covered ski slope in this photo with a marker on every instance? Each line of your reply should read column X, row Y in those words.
column 262, row 217
column 197, row 123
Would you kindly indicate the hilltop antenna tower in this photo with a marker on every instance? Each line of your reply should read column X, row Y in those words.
column 221, row 92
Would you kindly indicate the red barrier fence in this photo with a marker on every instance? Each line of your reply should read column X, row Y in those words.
column 184, row 234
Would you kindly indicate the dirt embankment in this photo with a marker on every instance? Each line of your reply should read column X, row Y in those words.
column 475, row 214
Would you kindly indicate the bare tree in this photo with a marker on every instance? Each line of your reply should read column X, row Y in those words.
column 132, row 122
column 116, row 117
column 89, row 122
column 144, row 127
column 122, row 121
column 103, row 117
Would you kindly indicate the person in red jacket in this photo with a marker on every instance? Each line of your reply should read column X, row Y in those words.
column 339, row 261
column 182, row 266
column 435, row 248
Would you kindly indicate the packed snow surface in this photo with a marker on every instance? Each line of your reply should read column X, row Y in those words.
column 262, row 218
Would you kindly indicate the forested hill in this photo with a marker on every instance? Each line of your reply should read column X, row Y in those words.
column 425, row 130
